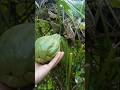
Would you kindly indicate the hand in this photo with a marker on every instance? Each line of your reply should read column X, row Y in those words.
column 42, row 70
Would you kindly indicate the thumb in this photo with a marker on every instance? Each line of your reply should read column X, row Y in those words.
column 56, row 59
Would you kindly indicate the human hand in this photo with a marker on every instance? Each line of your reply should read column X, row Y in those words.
column 42, row 70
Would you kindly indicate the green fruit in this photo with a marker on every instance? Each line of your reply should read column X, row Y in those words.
column 46, row 48
column 16, row 55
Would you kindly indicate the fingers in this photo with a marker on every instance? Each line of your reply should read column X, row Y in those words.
column 60, row 57
column 42, row 70
column 56, row 59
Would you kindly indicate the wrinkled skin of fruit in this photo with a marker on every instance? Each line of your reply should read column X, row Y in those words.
column 46, row 48
column 17, row 56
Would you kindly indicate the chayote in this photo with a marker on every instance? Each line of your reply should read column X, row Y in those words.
column 17, row 56
column 46, row 48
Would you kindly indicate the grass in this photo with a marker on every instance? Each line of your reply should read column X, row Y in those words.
column 69, row 73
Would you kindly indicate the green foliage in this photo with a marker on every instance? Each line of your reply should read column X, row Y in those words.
column 14, row 12
column 69, row 73
column 42, row 28
column 73, row 8
column 115, row 3
column 103, row 47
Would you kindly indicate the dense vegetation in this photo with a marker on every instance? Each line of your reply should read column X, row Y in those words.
column 66, row 18
column 92, row 57
column 102, row 45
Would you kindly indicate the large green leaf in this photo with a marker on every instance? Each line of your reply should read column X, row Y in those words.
column 72, row 7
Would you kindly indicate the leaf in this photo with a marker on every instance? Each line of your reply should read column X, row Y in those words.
column 115, row 3
column 76, row 8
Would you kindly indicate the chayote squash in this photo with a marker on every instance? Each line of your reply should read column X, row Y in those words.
column 46, row 48
column 17, row 56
